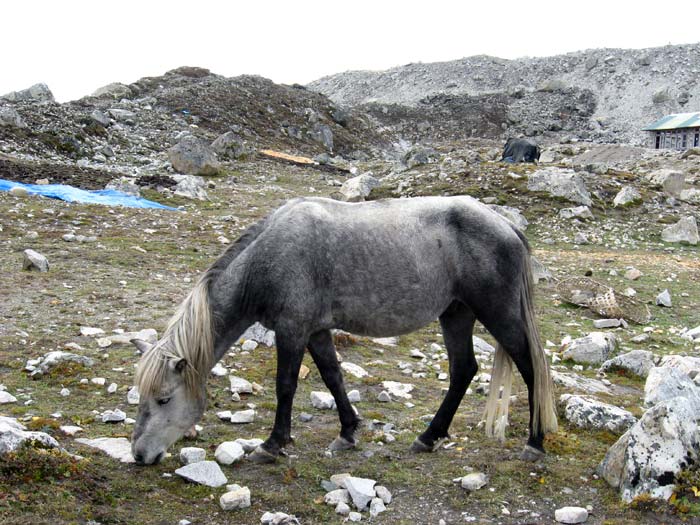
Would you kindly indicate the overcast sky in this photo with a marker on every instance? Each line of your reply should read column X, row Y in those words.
column 76, row 46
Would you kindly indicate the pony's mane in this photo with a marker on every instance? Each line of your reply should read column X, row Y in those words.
column 190, row 332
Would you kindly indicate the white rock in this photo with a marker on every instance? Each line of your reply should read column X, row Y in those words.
column 6, row 397
column 204, row 473
column 249, row 445
column 592, row 349
column 64, row 392
column 649, row 456
column 240, row 385
column 235, row 499
column 229, row 452
column 474, row 481
column 336, row 496
column 664, row 299
column 219, row 370
column 99, row 381
column 354, row 517
column 684, row 231
column 397, row 389
column 627, row 195
column 70, row 430
column 638, row 362
column 34, row 261
column 90, row 331
column 117, row 448
column 51, row 359
column 132, row 396
column 578, row 383
column 192, row 455
column 689, row 365
column 243, row 416
column 586, row 412
column 571, row 515
column 13, row 435
column 607, row 323
column 260, row 334
column 112, row 388
column 386, row 341
column 383, row 397
column 322, row 400
column 358, row 188
column 342, row 508
column 224, row 415
column 249, row 345
column 376, row 507
column 354, row 396
column 665, row 383
column 339, row 479
column 354, row 370
column 383, row 493
column 361, row 491
column 417, row 354
column 113, row 416
column 560, row 183
column 278, row 518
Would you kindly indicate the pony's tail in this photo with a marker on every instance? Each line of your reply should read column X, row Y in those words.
column 544, row 417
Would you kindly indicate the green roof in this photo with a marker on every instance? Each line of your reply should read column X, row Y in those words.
column 676, row 121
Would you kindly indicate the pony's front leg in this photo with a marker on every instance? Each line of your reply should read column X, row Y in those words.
column 289, row 357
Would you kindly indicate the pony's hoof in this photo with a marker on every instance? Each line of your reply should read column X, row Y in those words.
column 340, row 443
column 418, row 446
column 260, row 455
column 531, row 454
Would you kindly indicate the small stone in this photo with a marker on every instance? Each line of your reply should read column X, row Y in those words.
column 305, row 417
column 219, row 370
column 249, row 345
column 354, row 370
column 571, row 515
column 354, row 396
column 240, row 385
column 383, row 493
column 339, row 479
column 132, row 396
column 192, row 455
column 606, row 323
column 90, row 331
column 6, row 397
column 229, row 452
column 278, row 518
column 113, row 416
column 64, row 392
column 322, row 400
column 384, row 397
column 664, row 299
column 249, row 445
column 243, row 416
column 99, row 381
column 474, row 481
column 633, row 274
column 112, row 388
column 354, row 517
column 204, row 473
column 34, row 261
column 337, row 496
column 397, row 389
column 361, row 491
column 376, row 507
column 342, row 508
column 70, row 430
column 235, row 499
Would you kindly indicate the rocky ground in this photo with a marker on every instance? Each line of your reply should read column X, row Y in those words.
column 618, row 91
column 599, row 217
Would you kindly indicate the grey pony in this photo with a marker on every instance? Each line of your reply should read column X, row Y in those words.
column 379, row 268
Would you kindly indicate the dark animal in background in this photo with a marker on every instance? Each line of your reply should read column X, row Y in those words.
column 520, row 150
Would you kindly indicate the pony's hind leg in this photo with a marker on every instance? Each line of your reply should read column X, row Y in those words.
column 323, row 353
column 290, row 353
column 457, row 325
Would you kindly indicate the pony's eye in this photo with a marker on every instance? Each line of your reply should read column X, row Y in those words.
column 164, row 401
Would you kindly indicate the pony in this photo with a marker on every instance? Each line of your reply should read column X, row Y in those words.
column 379, row 268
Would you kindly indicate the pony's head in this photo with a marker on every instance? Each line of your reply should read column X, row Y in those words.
column 171, row 379
column 168, row 406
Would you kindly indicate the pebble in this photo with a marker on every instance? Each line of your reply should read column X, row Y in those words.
column 64, row 392
column 243, row 416
column 571, row 515
column 354, row 516
column 342, row 508
column 113, row 416
column 112, row 388
column 474, row 481
column 235, row 499
column 192, row 455
column 229, row 452
column 384, row 397
column 322, row 400
column 354, row 396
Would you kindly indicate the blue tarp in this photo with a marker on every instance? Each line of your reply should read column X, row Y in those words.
column 71, row 194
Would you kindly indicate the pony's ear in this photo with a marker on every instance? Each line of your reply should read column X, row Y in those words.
column 179, row 365
column 141, row 346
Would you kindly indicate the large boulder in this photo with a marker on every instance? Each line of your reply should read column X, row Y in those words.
column 358, row 188
column 627, row 196
column 637, row 362
column 564, row 183
column 588, row 412
column 664, row 383
column 115, row 90
column 36, row 93
column 685, row 231
column 190, row 186
column 648, row 457
column 13, row 435
column 52, row 359
column 10, row 118
column 193, row 157
column 229, row 145
column 511, row 214
column 594, row 348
